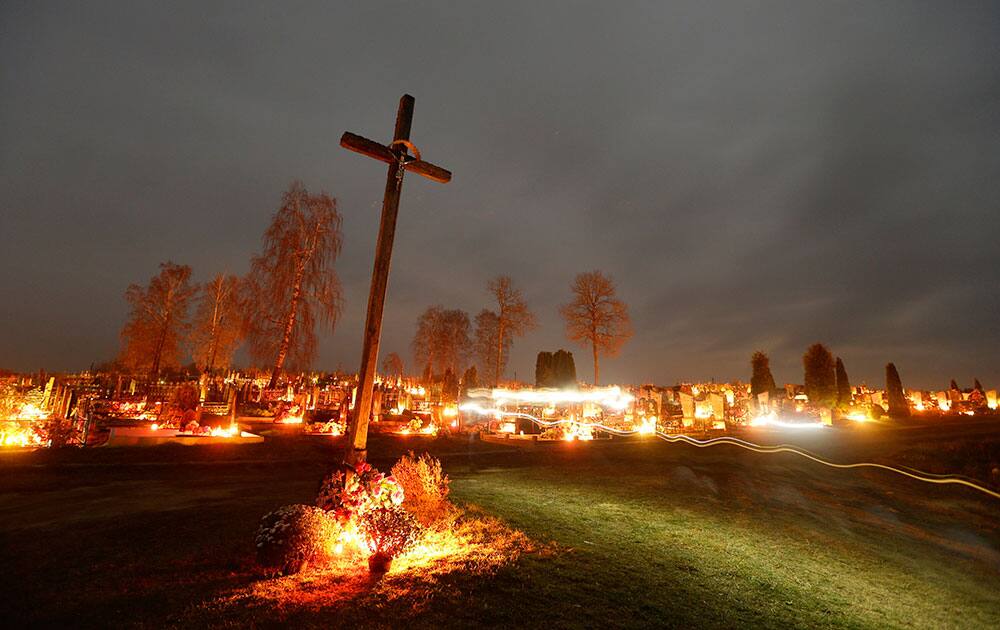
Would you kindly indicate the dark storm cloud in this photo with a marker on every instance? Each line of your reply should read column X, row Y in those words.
column 758, row 177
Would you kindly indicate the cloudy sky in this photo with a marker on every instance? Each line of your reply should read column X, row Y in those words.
column 759, row 177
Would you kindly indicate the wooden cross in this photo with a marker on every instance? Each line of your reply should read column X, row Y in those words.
column 399, row 161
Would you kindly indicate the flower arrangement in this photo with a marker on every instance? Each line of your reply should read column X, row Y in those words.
column 292, row 536
column 389, row 531
column 365, row 490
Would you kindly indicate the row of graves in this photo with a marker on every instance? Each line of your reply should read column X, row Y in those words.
column 533, row 415
column 600, row 413
column 39, row 410
column 954, row 401
column 125, row 410
column 528, row 414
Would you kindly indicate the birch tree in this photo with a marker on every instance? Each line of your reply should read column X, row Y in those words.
column 158, row 319
column 292, row 282
column 442, row 340
column 218, row 323
column 485, row 347
column 513, row 319
column 392, row 365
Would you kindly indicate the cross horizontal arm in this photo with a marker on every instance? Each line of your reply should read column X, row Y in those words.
column 382, row 153
column 428, row 170
column 364, row 146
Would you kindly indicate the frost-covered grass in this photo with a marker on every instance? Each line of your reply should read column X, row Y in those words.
column 613, row 534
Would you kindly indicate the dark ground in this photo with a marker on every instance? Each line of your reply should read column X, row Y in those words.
column 643, row 534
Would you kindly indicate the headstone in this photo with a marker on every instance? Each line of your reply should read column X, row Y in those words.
column 718, row 405
column 48, row 392
column 942, row 400
column 826, row 416
column 877, row 398
column 687, row 406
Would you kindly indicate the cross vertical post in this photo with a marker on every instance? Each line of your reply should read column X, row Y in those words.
column 399, row 161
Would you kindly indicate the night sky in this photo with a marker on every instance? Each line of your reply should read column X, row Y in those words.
column 752, row 178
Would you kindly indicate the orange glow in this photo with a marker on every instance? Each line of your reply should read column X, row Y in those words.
column 647, row 426
column 13, row 434
column 575, row 431
column 30, row 412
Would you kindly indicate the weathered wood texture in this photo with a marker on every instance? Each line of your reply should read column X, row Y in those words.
column 399, row 161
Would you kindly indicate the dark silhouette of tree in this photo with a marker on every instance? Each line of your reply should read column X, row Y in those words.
column 470, row 380
column 218, row 323
column 844, row 396
column 513, row 319
column 442, row 339
column 820, row 378
column 898, row 406
column 563, row 369
column 953, row 385
column 158, row 319
column 292, row 281
column 392, row 365
column 544, row 373
column 760, row 378
column 595, row 317
column 555, row 369
column 977, row 386
column 449, row 384
column 486, row 339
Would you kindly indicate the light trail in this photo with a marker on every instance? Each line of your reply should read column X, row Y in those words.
column 750, row 446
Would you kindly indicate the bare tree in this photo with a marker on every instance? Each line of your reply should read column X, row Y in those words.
column 293, row 280
column 218, row 323
column 486, row 339
column 442, row 339
column 596, row 317
column 158, row 319
column 392, row 365
column 423, row 345
column 513, row 319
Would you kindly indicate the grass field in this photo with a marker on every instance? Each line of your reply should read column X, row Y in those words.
column 624, row 535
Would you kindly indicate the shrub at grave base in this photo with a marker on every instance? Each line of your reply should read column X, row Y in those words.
column 291, row 537
column 389, row 532
column 425, row 488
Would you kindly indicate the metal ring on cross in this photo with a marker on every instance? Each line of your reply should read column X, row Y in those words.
column 409, row 145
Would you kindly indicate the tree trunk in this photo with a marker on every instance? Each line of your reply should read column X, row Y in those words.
column 215, row 333
column 596, row 367
column 496, row 376
column 159, row 350
column 286, row 338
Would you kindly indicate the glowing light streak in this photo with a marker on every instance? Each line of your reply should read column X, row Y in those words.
column 771, row 419
column 612, row 397
column 757, row 448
